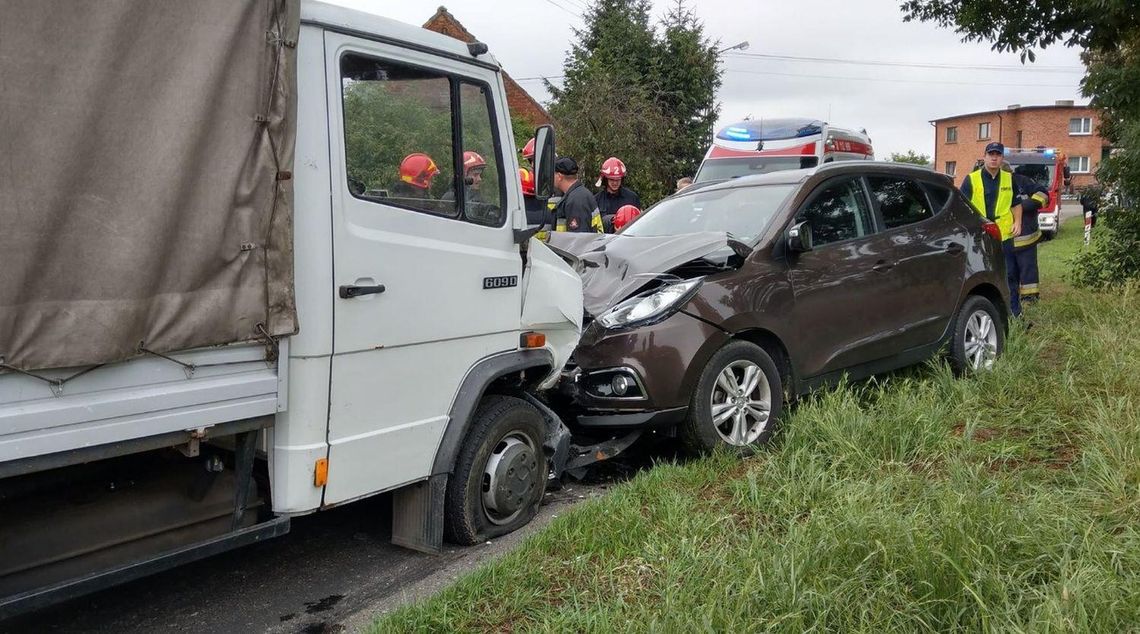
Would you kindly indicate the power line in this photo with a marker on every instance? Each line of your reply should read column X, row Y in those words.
column 553, row 3
column 900, row 81
column 985, row 67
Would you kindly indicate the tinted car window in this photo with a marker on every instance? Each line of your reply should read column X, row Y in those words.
column 901, row 200
column 838, row 212
column 742, row 212
column 939, row 195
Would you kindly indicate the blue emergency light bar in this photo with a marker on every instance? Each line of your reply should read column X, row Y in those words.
column 770, row 129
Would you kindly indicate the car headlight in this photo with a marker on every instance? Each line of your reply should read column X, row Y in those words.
column 650, row 306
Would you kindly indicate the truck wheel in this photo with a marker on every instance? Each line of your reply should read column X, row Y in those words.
column 979, row 336
column 500, row 473
column 737, row 402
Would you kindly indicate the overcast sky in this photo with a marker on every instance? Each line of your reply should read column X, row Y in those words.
column 894, row 103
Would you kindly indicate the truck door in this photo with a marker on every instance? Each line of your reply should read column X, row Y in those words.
column 426, row 274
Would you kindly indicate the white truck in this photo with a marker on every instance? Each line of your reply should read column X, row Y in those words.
column 233, row 291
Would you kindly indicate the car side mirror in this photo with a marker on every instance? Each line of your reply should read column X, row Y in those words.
column 799, row 237
column 544, row 162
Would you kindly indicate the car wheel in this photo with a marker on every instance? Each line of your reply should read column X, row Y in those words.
column 500, row 473
column 979, row 336
column 737, row 402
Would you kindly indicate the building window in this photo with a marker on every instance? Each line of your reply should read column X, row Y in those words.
column 1080, row 125
column 983, row 131
column 1079, row 164
column 951, row 167
column 952, row 134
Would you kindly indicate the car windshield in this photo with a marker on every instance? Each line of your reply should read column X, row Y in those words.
column 1043, row 174
column 742, row 212
column 723, row 169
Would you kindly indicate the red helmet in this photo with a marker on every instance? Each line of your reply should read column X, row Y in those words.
column 472, row 160
column 613, row 168
column 417, row 170
column 527, row 181
column 625, row 215
column 528, row 149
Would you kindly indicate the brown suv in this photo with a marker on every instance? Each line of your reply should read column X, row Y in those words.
column 718, row 304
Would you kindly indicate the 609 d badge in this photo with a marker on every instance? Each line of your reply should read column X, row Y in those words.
column 502, row 281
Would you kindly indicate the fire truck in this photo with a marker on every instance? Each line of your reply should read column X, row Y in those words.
column 1046, row 165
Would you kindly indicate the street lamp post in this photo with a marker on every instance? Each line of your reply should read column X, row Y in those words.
column 743, row 46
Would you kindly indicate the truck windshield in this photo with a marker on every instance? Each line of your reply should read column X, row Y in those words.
column 1043, row 174
column 722, row 169
column 742, row 212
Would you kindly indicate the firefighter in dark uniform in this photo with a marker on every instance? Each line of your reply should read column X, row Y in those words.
column 990, row 190
column 1033, row 196
column 613, row 195
column 577, row 211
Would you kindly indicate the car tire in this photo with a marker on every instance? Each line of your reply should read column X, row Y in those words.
column 979, row 336
column 740, row 429
column 500, row 473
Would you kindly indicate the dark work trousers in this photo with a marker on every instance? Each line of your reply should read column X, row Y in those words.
column 1021, row 274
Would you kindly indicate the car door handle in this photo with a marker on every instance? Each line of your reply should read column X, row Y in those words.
column 883, row 266
column 954, row 248
column 350, row 291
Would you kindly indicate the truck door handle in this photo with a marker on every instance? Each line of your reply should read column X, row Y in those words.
column 350, row 291
column 954, row 248
column 883, row 266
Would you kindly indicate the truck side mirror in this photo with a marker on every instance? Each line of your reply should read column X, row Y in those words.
column 544, row 162
column 799, row 237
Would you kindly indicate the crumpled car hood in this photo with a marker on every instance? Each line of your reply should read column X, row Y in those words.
column 613, row 266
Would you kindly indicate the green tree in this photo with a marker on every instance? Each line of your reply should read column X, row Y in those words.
column 1109, row 33
column 911, row 157
column 689, row 79
column 646, row 96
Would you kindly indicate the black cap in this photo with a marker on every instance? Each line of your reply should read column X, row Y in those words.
column 566, row 165
column 995, row 147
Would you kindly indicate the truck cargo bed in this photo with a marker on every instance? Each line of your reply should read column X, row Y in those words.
column 143, row 397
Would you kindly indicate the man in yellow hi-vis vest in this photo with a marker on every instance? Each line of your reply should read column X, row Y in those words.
column 993, row 195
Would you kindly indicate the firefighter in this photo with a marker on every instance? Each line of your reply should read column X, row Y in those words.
column 416, row 173
column 577, row 211
column 613, row 195
column 537, row 212
column 528, row 152
column 624, row 216
column 1024, row 272
column 993, row 195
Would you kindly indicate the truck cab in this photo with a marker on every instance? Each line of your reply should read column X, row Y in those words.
column 429, row 320
column 1046, row 166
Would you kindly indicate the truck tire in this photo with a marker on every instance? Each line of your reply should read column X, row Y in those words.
column 753, row 412
column 500, row 472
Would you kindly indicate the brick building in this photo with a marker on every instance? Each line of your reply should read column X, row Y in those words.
column 521, row 104
column 959, row 141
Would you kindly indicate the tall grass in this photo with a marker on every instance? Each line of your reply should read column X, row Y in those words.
column 1003, row 502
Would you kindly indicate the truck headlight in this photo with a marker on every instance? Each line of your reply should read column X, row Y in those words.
column 650, row 306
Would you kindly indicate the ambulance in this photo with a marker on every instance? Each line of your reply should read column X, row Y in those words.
column 760, row 146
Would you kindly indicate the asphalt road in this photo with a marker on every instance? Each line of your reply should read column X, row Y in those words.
column 334, row 571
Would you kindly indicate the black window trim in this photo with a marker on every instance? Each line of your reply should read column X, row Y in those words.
column 876, row 226
column 454, row 80
column 496, row 142
column 885, row 230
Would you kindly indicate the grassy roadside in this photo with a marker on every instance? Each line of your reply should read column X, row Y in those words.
column 1008, row 501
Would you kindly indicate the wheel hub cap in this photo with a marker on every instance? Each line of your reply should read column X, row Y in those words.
column 509, row 479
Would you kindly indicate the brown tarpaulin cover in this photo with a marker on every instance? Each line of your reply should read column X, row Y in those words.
column 140, row 203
